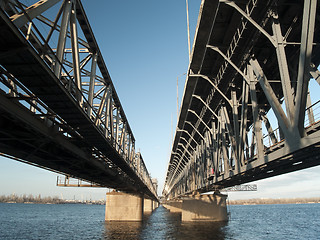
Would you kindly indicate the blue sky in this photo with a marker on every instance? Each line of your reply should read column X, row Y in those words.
column 144, row 45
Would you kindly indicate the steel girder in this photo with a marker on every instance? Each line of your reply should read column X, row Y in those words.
column 51, row 64
column 248, row 79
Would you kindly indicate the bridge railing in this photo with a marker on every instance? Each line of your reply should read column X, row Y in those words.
column 312, row 117
column 15, row 90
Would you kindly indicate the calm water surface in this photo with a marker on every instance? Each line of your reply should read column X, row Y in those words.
column 41, row 221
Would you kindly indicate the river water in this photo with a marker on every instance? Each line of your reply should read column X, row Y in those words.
column 75, row 221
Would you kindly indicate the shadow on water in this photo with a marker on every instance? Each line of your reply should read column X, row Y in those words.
column 122, row 230
column 162, row 224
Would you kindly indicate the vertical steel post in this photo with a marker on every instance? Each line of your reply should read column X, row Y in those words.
column 62, row 38
column 231, row 135
column 92, row 84
column 255, row 113
column 283, row 67
column 308, row 24
column 109, row 114
column 236, row 131
column 244, row 118
column 214, row 150
column 224, row 145
column 117, row 129
column 75, row 53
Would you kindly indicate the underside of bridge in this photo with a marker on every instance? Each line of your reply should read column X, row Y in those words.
column 58, row 107
column 247, row 112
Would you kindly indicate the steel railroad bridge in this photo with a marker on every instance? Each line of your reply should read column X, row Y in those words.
column 246, row 112
column 59, row 109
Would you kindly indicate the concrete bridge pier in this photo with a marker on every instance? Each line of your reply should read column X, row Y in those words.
column 148, row 205
column 124, row 207
column 155, row 204
column 211, row 207
column 205, row 208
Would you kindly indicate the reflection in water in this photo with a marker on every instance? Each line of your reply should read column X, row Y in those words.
column 202, row 230
column 162, row 224
column 122, row 230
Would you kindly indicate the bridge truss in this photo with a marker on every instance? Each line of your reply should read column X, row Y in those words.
column 247, row 112
column 59, row 108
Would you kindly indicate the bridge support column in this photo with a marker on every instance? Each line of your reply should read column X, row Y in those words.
column 124, row 207
column 148, row 205
column 205, row 208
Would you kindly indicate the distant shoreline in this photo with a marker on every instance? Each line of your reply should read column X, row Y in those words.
column 48, row 203
column 269, row 201
column 30, row 199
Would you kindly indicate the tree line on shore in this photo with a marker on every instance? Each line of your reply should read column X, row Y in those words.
column 13, row 198
column 256, row 201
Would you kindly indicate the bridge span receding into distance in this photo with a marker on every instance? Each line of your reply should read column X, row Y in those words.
column 247, row 112
column 59, row 109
